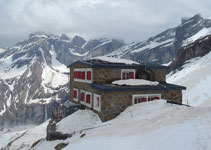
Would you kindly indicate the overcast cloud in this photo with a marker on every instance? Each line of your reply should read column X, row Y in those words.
column 130, row 20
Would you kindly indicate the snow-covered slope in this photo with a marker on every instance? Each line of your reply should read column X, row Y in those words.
column 152, row 125
column 196, row 76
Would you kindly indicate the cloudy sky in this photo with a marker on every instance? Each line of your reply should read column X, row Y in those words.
column 130, row 20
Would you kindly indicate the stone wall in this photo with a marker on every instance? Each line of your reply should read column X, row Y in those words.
column 113, row 103
column 80, row 85
column 174, row 96
column 106, row 75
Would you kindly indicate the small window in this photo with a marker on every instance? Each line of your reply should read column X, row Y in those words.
column 89, row 99
column 75, row 94
column 97, row 102
column 128, row 74
column 139, row 98
column 82, row 99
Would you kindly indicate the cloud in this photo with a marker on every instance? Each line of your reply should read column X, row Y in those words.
column 125, row 19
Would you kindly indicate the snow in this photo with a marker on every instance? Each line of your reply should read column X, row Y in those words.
column 27, row 137
column 77, row 54
column 152, row 125
column 154, row 44
column 167, row 64
column 6, row 70
column 104, row 41
column 2, row 50
column 196, row 76
column 136, row 82
column 3, row 110
column 81, row 119
column 202, row 33
column 114, row 60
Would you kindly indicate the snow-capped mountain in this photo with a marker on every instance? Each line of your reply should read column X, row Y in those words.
column 34, row 76
column 163, row 47
column 186, row 127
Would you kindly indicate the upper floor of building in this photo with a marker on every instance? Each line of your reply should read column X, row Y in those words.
column 105, row 70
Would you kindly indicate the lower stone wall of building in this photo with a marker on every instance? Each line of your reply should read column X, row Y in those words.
column 173, row 96
column 113, row 103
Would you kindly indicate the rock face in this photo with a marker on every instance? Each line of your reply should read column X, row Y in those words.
column 199, row 48
column 34, row 76
column 163, row 47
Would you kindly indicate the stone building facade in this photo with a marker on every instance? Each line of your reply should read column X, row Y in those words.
column 91, row 85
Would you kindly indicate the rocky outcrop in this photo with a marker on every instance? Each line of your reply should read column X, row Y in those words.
column 57, row 115
column 163, row 47
column 199, row 48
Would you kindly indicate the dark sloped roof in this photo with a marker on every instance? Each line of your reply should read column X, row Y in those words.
column 96, row 64
column 161, row 86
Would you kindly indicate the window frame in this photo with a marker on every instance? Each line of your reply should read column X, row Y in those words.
column 128, row 71
column 95, row 107
column 145, row 96
column 82, row 70
column 87, row 104
column 83, row 102
column 75, row 99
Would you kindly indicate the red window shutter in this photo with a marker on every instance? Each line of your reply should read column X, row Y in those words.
column 144, row 99
column 98, row 102
column 79, row 74
column 75, row 94
column 123, row 75
column 131, row 75
column 135, row 101
column 89, row 75
column 88, row 99
column 82, row 97
column 83, row 75
column 157, row 98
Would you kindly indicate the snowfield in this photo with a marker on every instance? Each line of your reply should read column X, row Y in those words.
column 196, row 76
column 155, row 125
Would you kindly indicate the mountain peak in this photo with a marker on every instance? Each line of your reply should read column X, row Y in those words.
column 195, row 18
column 38, row 34
column 78, row 41
column 64, row 37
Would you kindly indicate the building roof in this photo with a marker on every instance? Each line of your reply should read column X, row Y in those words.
column 114, row 88
column 101, row 64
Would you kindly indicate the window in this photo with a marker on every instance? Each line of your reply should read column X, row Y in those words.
column 82, row 98
column 97, row 102
column 89, row 75
column 83, row 75
column 89, row 99
column 139, row 98
column 127, row 74
column 75, row 94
